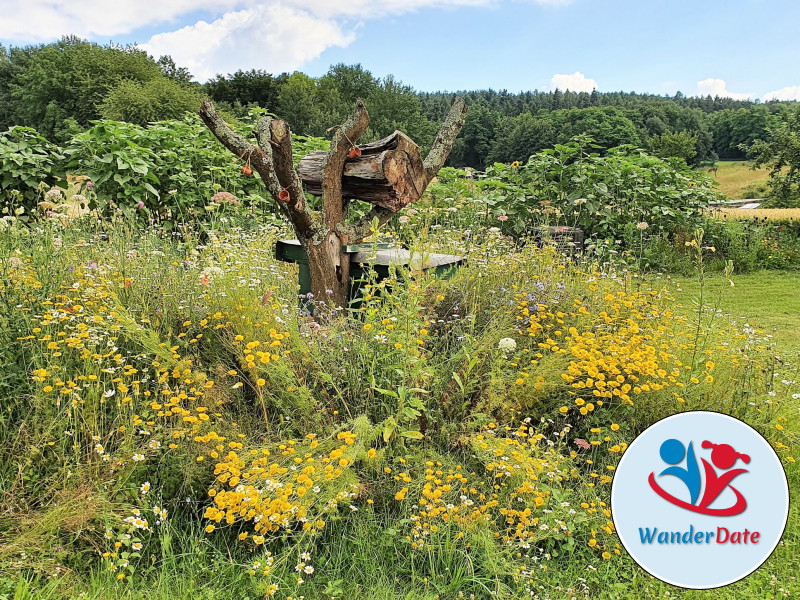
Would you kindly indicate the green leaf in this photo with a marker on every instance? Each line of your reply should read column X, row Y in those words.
column 389, row 393
column 388, row 429
column 459, row 382
column 413, row 435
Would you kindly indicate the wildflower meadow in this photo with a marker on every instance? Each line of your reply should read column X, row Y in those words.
column 176, row 424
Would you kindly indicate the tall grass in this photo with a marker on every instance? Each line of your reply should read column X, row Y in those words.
column 175, row 425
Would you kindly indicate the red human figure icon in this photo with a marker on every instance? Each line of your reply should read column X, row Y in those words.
column 724, row 457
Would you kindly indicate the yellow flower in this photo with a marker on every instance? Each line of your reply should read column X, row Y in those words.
column 401, row 495
column 210, row 528
column 260, row 382
column 371, row 453
column 563, row 409
column 614, row 427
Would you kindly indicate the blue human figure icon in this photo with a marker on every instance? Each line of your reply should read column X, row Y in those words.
column 672, row 453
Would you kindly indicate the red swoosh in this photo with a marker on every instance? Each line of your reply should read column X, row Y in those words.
column 737, row 508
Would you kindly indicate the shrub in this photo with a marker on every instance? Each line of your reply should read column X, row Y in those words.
column 27, row 160
column 141, row 103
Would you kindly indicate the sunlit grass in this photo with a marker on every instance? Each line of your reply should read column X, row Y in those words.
column 736, row 176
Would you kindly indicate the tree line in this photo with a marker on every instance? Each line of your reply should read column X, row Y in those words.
column 60, row 88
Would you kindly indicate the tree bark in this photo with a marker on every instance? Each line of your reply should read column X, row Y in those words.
column 328, row 249
column 448, row 132
column 388, row 173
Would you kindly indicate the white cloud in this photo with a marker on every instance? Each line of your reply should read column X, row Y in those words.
column 272, row 37
column 576, row 82
column 717, row 87
column 44, row 20
column 788, row 93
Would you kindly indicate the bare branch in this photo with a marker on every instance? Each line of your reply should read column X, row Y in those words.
column 275, row 139
column 269, row 160
column 235, row 142
column 332, row 167
column 263, row 136
column 446, row 137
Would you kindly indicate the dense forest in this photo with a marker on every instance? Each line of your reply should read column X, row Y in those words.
column 60, row 88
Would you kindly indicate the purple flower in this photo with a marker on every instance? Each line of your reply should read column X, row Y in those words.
column 89, row 185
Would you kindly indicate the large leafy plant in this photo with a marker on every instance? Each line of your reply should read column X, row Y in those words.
column 121, row 167
column 26, row 160
column 168, row 170
column 572, row 185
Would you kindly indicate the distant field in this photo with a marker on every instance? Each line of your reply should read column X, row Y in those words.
column 735, row 176
column 767, row 214
column 767, row 300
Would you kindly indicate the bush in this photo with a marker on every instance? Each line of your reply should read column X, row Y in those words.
column 26, row 161
column 571, row 185
column 144, row 102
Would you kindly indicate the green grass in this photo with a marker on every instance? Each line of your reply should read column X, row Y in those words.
column 768, row 300
column 736, row 176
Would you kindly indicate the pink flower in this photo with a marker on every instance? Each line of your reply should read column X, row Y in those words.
column 502, row 218
column 140, row 204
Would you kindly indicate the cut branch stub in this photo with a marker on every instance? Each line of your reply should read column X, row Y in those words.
column 389, row 173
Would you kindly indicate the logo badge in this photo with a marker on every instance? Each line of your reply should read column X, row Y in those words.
column 700, row 500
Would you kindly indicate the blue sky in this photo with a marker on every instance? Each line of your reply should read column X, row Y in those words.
column 741, row 48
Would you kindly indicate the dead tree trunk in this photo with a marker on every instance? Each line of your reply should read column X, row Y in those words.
column 389, row 173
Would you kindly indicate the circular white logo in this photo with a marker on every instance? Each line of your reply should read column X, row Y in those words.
column 700, row 500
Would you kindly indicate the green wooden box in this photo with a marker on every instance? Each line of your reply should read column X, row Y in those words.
column 366, row 257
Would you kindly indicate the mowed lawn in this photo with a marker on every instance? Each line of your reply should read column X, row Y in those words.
column 768, row 300
column 735, row 176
